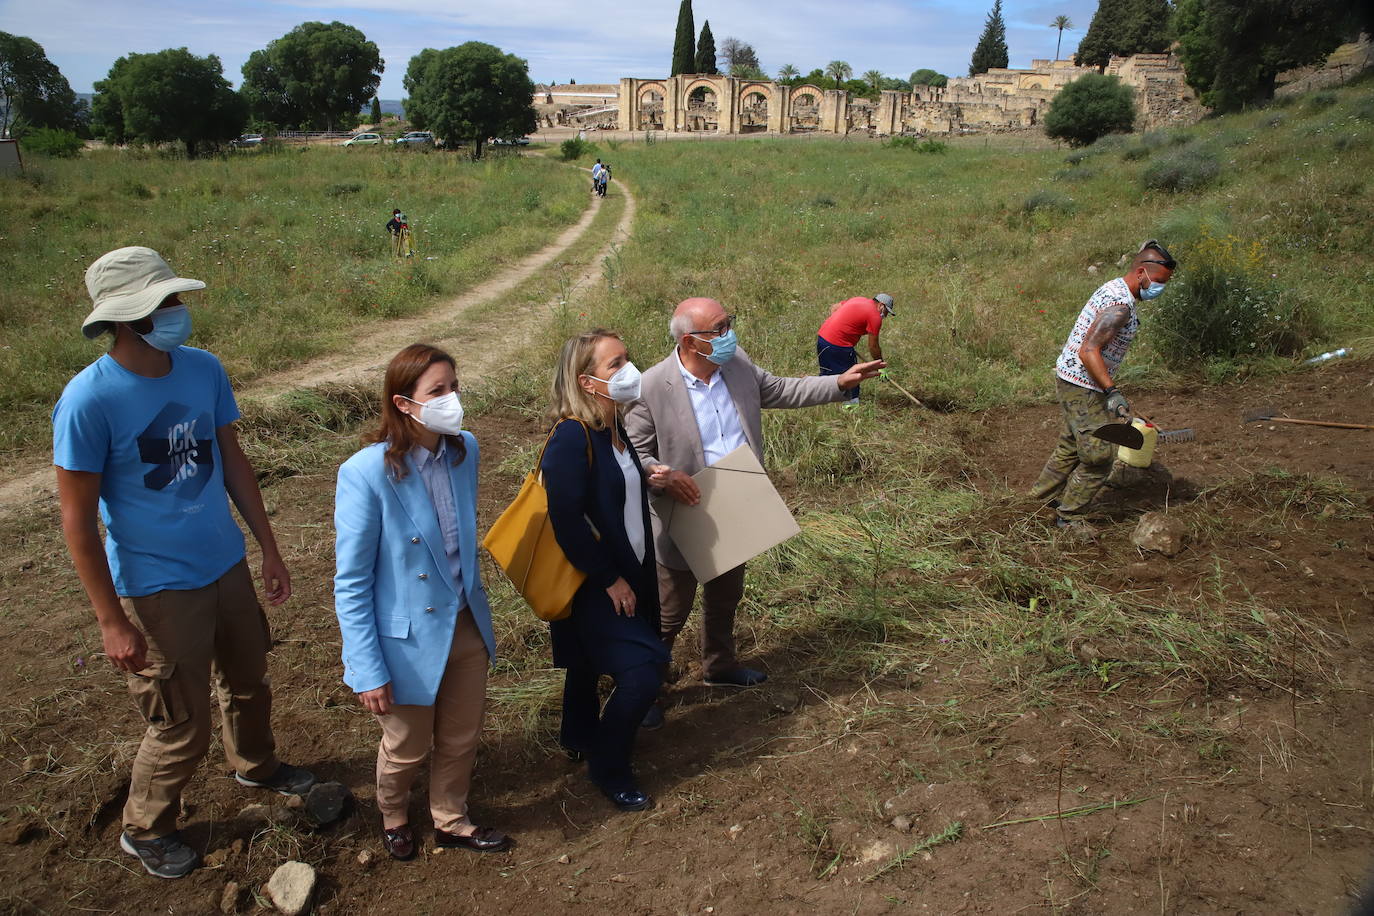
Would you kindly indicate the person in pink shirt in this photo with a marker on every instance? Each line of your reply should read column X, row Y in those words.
column 840, row 333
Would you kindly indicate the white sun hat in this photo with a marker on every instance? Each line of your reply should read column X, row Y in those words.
column 128, row 284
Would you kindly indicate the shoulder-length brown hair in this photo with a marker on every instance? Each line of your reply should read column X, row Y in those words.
column 398, row 430
column 567, row 397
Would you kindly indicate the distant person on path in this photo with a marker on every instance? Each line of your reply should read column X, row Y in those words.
column 145, row 437
column 839, row 335
column 697, row 406
column 1088, row 397
column 598, row 173
column 414, row 617
column 599, row 508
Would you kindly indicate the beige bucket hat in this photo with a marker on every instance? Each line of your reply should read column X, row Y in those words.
column 128, row 284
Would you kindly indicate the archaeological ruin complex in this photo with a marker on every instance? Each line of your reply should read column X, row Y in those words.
column 994, row 101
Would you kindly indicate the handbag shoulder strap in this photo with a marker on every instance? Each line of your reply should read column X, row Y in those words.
column 538, row 462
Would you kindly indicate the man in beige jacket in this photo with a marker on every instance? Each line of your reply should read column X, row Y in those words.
column 697, row 406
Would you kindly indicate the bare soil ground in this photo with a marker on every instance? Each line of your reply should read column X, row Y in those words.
column 813, row 793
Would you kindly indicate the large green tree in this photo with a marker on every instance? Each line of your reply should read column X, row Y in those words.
column 168, row 96
column 470, row 93
column 706, row 51
column 1232, row 50
column 316, row 76
column 1123, row 28
column 991, row 50
column 33, row 92
column 740, row 59
column 684, row 49
column 928, row 77
column 1090, row 107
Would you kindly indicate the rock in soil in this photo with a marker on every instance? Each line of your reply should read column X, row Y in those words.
column 326, row 801
column 1157, row 531
column 291, row 886
column 16, row 832
column 365, row 858
column 229, row 900
column 902, row 822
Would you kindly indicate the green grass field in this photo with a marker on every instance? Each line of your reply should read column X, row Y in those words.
column 291, row 245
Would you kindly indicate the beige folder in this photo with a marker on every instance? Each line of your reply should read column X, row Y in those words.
column 739, row 517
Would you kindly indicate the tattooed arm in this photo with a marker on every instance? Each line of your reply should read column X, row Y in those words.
column 1108, row 322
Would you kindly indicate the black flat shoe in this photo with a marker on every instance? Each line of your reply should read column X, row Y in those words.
column 483, row 839
column 653, row 719
column 573, row 754
column 399, row 842
column 629, row 799
column 740, row 677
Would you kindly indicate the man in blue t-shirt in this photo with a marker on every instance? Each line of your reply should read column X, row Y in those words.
column 144, row 438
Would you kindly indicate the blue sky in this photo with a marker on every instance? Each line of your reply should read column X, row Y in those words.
column 589, row 42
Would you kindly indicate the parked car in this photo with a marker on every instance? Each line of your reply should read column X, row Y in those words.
column 248, row 141
column 416, row 138
column 363, row 140
column 517, row 141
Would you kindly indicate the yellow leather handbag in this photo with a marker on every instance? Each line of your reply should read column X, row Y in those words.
column 522, row 543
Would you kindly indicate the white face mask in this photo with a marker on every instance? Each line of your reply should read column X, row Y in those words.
column 623, row 387
column 443, row 415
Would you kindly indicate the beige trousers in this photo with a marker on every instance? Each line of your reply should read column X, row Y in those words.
column 215, row 634
column 451, row 726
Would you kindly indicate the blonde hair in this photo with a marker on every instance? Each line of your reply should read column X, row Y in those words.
column 567, row 398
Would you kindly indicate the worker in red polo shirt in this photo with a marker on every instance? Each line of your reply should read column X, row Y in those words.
column 840, row 333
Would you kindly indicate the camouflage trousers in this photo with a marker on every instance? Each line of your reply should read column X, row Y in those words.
column 1080, row 463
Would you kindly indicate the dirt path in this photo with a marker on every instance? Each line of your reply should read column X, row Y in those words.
column 367, row 355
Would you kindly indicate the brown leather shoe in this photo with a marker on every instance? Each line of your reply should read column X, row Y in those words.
column 483, row 839
column 400, row 842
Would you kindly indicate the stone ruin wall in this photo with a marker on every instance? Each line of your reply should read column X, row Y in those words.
column 999, row 100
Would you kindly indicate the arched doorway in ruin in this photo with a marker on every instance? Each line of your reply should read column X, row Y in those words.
column 753, row 107
column 702, row 108
column 650, row 107
column 805, row 109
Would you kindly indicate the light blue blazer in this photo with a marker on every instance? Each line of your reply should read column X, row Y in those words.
column 393, row 591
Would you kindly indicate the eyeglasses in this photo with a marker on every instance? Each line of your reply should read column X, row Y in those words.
column 1168, row 259
column 722, row 328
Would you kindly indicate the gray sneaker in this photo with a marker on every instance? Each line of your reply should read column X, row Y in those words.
column 288, row 780
column 164, row 857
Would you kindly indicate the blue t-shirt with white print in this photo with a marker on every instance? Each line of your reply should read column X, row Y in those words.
column 162, row 496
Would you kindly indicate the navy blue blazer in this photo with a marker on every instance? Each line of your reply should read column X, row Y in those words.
column 580, row 497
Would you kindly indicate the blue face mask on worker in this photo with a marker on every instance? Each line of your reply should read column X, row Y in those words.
column 722, row 347
column 1150, row 289
column 171, row 327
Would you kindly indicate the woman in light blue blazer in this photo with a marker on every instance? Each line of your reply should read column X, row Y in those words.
column 416, row 626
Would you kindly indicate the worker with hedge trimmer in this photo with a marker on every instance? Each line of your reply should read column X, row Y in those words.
column 1080, row 463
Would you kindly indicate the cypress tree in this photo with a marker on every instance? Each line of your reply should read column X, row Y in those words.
column 1123, row 28
column 376, row 111
column 706, row 50
column 991, row 51
column 684, row 45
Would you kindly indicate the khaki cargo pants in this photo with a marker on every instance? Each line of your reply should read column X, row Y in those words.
column 1080, row 464
column 217, row 632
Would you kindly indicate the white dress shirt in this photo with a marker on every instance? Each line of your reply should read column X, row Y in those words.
column 717, row 419
column 634, row 508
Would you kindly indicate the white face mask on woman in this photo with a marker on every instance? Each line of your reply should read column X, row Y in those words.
column 443, row 415
column 622, row 387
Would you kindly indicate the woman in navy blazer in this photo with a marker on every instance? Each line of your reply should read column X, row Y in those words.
column 599, row 511
column 416, row 626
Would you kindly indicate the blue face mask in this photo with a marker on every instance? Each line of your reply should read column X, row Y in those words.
column 1150, row 289
column 171, row 327
column 723, row 348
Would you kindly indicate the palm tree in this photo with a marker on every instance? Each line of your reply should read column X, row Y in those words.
column 787, row 72
column 874, row 78
column 839, row 71
column 1061, row 23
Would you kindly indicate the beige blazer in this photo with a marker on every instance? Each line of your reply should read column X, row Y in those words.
column 664, row 429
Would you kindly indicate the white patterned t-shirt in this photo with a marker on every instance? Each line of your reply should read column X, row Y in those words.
column 1070, row 367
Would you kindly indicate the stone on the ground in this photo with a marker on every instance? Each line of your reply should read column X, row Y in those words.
column 229, row 900
column 290, row 887
column 1158, row 532
column 902, row 822
column 326, row 801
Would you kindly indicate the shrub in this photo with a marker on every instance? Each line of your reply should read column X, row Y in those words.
column 1136, row 153
column 1078, row 173
column 575, row 148
column 1275, row 120
column 1224, row 304
column 1090, row 107
column 48, row 141
column 916, row 144
column 343, row 189
column 1186, row 170
column 1320, row 101
column 1052, row 201
column 1078, row 156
